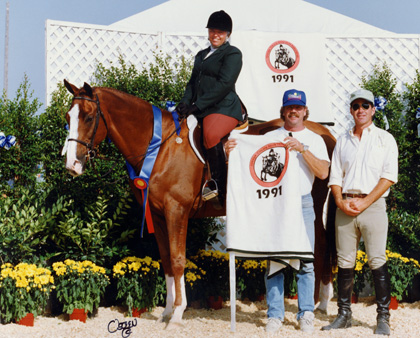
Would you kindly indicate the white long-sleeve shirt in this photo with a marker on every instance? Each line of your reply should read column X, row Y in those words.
column 358, row 165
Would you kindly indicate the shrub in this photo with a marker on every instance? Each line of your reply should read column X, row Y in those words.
column 25, row 224
column 17, row 118
column 93, row 234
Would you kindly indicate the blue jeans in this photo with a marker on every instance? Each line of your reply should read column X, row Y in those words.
column 305, row 276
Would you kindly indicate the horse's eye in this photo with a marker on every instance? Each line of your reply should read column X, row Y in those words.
column 89, row 118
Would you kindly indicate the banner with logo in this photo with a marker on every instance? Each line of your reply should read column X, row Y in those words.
column 263, row 208
column 274, row 62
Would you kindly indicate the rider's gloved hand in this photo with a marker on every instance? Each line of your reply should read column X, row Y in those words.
column 193, row 110
column 182, row 109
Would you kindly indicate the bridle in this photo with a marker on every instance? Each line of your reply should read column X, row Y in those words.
column 91, row 153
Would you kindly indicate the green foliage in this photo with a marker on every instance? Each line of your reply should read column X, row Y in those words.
column 17, row 118
column 201, row 233
column 93, row 234
column 25, row 224
column 155, row 83
column 404, row 229
column 410, row 158
column 79, row 285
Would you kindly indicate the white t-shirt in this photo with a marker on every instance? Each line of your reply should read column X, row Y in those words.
column 316, row 146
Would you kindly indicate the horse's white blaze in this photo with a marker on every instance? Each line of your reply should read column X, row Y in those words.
column 72, row 163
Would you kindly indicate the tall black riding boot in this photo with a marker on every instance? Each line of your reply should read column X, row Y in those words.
column 382, row 284
column 345, row 289
column 217, row 163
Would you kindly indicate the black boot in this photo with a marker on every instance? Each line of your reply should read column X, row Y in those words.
column 218, row 170
column 345, row 289
column 383, row 298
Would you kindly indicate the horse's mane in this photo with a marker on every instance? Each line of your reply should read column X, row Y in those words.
column 119, row 92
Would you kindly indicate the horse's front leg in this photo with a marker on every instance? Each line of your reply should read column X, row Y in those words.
column 177, row 223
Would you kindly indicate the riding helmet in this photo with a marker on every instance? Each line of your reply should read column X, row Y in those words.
column 220, row 20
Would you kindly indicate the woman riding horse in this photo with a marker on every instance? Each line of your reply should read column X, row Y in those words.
column 210, row 95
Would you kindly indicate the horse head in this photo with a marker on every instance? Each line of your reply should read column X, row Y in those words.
column 87, row 127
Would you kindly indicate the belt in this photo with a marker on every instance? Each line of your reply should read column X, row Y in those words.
column 354, row 195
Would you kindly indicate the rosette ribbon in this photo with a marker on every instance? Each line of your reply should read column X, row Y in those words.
column 141, row 181
column 380, row 104
column 8, row 141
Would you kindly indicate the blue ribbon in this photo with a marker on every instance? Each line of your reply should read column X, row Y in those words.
column 418, row 113
column 380, row 103
column 148, row 162
column 170, row 107
column 8, row 141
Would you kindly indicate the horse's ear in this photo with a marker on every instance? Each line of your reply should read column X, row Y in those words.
column 70, row 87
column 88, row 89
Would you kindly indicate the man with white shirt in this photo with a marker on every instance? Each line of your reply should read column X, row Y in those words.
column 313, row 162
column 364, row 166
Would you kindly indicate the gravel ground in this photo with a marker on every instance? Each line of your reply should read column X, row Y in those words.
column 250, row 321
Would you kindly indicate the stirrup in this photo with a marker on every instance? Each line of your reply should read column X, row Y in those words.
column 207, row 193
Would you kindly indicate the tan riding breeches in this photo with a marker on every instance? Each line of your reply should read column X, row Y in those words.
column 372, row 225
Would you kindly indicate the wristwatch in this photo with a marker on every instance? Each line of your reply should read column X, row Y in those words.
column 305, row 148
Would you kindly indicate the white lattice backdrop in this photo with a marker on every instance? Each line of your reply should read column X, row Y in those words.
column 74, row 50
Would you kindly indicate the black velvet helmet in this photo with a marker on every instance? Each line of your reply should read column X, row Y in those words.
column 220, row 20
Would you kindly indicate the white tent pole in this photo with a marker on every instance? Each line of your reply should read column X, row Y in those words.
column 232, row 279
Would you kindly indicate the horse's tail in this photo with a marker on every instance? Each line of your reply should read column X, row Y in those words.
column 331, row 252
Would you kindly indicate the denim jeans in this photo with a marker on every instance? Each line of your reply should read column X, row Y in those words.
column 305, row 276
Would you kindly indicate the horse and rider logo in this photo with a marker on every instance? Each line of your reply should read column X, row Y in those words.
column 269, row 164
column 282, row 57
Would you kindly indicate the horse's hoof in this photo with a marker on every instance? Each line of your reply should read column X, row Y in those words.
column 172, row 326
column 321, row 310
column 163, row 319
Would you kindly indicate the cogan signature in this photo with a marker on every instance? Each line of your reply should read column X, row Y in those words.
column 124, row 327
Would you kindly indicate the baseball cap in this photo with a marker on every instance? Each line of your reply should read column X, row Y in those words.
column 294, row 97
column 362, row 94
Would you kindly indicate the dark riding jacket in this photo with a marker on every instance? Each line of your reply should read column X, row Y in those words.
column 212, row 84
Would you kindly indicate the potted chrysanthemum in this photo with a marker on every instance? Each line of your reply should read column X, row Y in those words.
column 250, row 278
column 194, row 283
column 138, row 283
column 80, row 286
column 216, row 285
column 402, row 271
column 24, row 291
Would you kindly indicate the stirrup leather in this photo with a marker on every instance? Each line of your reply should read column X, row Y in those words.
column 207, row 193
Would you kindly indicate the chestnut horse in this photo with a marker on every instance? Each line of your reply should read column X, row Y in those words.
column 177, row 176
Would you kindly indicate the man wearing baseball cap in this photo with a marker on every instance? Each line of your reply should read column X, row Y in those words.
column 313, row 162
column 364, row 166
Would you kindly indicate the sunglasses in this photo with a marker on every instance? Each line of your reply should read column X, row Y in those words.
column 365, row 106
